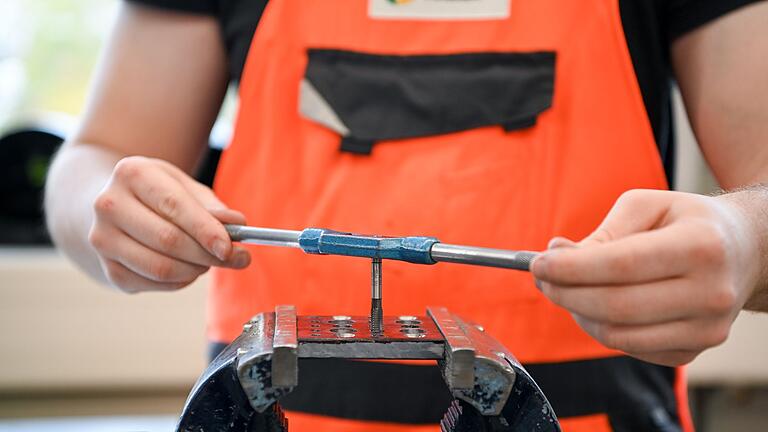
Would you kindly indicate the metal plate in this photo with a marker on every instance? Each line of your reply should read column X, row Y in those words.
column 404, row 337
column 340, row 328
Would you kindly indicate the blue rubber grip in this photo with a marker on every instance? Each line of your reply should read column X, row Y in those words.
column 328, row 242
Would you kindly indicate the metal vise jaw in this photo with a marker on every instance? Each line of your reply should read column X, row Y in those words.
column 240, row 390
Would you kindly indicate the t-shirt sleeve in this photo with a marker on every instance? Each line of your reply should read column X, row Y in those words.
column 684, row 16
column 204, row 7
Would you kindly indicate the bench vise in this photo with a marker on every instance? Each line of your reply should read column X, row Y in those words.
column 240, row 390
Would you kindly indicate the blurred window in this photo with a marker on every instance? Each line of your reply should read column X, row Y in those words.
column 48, row 49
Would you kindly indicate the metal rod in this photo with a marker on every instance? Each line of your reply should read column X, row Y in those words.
column 439, row 252
column 377, row 311
column 376, row 278
column 518, row 260
column 263, row 236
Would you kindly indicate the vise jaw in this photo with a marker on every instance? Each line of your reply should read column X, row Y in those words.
column 240, row 390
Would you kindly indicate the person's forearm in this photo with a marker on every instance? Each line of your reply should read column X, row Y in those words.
column 74, row 180
column 753, row 204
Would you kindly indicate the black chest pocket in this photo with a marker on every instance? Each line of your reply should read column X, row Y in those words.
column 367, row 98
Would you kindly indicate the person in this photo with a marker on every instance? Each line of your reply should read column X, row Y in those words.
column 520, row 125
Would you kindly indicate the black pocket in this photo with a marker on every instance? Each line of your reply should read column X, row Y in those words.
column 368, row 98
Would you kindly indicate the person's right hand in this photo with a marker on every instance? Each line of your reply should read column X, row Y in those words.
column 157, row 229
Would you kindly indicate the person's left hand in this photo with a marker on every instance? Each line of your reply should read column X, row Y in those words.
column 662, row 278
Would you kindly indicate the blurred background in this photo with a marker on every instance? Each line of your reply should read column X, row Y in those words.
column 75, row 356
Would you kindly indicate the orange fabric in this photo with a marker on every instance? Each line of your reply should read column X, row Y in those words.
column 681, row 392
column 309, row 422
column 482, row 187
column 590, row 423
column 298, row 421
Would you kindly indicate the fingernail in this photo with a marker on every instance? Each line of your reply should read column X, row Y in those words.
column 220, row 249
column 241, row 260
column 558, row 242
column 539, row 263
column 554, row 242
column 537, row 283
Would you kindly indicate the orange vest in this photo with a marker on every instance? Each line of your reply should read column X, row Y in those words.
column 482, row 186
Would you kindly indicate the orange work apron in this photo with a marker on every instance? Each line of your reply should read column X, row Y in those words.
column 511, row 186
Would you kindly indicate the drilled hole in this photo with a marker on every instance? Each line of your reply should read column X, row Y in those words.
column 343, row 324
column 409, row 326
column 345, row 334
column 415, row 335
column 343, row 329
column 346, row 323
column 414, row 332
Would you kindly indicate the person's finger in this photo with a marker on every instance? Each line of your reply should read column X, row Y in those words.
column 240, row 257
column 146, row 262
column 635, row 211
column 648, row 303
column 683, row 335
column 203, row 194
column 554, row 243
column 643, row 257
column 228, row 216
column 151, row 230
column 126, row 280
column 163, row 194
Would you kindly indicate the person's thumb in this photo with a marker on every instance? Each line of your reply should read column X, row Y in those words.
column 635, row 211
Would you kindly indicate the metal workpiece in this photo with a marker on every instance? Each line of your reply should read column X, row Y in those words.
column 340, row 329
column 516, row 260
column 413, row 338
column 377, row 311
column 263, row 236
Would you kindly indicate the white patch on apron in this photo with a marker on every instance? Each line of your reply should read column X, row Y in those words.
column 439, row 9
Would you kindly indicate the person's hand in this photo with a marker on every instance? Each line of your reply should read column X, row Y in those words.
column 157, row 229
column 661, row 279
